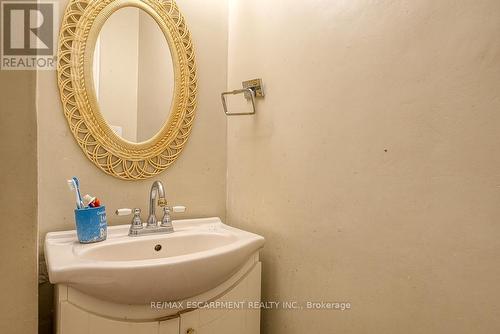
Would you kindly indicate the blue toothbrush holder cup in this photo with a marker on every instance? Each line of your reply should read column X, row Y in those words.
column 91, row 224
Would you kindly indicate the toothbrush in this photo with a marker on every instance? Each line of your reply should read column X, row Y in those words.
column 77, row 183
column 74, row 185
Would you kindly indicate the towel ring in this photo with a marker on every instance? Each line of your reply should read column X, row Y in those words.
column 251, row 89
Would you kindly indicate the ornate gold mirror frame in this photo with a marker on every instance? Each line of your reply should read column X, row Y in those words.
column 116, row 156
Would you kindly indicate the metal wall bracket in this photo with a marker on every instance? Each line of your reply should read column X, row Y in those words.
column 255, row 85
column 251, row 89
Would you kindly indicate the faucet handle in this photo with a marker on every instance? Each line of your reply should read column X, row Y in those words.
column 166, row 221
column 179, row 208
column 136, row 223
column 123, row 212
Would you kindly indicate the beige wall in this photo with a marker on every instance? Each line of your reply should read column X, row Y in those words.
column 135, row 74
column 18, row 197
column 118, row 70
column 155, row 86
column 372, row 166
column 196, row 179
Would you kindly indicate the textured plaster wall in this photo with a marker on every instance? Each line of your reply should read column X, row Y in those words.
column 18, row 200
column 372, row 166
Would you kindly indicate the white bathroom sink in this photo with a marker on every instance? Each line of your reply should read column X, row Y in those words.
column 197, row 257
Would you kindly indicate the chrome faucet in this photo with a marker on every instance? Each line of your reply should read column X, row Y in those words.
column 157, row 191
column 156, row 195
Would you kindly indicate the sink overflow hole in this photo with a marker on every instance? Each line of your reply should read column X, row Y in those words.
column 157, row 248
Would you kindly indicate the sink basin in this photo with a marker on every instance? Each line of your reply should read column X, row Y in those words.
column 200, row 255
column 141, row 249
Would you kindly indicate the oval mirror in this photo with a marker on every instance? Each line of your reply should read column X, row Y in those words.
column 126, row 71
column 133, row 74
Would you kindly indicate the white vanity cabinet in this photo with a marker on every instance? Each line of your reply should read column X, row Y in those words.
column 229, row 318
column 169, row 326
column 228, row 313
column 74, row 320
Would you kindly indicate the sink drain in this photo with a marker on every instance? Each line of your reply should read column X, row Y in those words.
column 158, row 248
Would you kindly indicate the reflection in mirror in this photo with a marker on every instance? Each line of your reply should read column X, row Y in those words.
column 133, row 74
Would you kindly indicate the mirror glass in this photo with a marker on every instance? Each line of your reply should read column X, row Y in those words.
column 133, row 74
